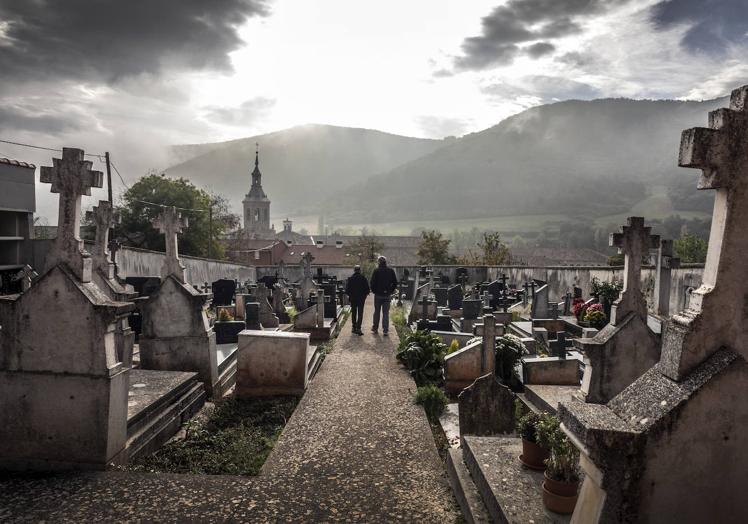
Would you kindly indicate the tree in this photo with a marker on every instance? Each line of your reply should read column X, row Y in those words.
column 691, row 249
column 495, row 252
column 364, row 251
column 144, row 201
column 433, row 249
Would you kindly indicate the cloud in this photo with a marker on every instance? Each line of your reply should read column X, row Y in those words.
column 246, row 113
column 524, row 21
column 542, row 88
column 110, row 39
column 440, row 127
column 714, row 25
column 15, row 118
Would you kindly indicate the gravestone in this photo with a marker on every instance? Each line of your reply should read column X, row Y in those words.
column 454, row 298
column 666, row 262
column 440, row 294
column 267, row 318
column 486, row 407
column 279, row 308
column 540, row 307
column 63, row 388
column 688, row 413
column 252, row 315
column 471, row 308
column 176, row 334
column 307, row 287
column 223, row 292
column 465, row 365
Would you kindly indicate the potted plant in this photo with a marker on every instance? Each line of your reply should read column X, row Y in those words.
column 562, row 467
column 533, row 454
column 226, row 328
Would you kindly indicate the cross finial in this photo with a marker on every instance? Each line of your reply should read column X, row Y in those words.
column 171, row 223
column 71, row 177
column 634, row 241
column 257, row 154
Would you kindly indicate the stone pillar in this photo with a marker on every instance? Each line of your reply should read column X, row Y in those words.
column 488, row 356
column 320, row 317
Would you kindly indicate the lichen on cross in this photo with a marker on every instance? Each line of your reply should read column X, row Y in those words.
column 634, row 241
column 71, row 177
column 171, row 224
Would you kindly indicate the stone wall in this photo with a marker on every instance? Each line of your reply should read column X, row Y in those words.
column 133, row 262
column 560, row 279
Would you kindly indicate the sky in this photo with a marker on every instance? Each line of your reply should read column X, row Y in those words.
column 135, row 77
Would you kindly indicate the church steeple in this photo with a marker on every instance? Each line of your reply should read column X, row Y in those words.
column 256, row 192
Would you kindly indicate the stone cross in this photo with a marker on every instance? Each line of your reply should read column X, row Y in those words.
column 488, row 347
column 71, row 177
column 103, row 217
column 666, row 262
column 525, row 295
column 487, row 298
column 567, row 304
column 634, row 241
column 171, row 223
column 306, row 261
column 320, row 316
column 561, row 345
column 716, row 316
column 425, row 307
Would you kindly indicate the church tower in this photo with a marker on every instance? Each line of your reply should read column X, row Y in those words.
column 257, row 205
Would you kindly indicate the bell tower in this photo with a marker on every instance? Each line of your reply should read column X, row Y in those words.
column 256, row 204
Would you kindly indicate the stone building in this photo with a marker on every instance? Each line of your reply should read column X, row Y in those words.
column 17, row 206
column 257, row 206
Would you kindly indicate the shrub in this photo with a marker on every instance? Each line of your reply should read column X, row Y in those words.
column 224, row 315
column 432, row 399
column 423, row 354
column 606, row 290
column 597, row 319
column 509, row 351
column 526, row 424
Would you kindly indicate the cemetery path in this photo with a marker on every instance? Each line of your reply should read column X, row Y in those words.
column 356, row 449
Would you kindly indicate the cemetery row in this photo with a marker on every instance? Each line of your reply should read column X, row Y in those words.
column 127, row 361
column 593, row 408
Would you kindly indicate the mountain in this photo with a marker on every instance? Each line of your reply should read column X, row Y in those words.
column 302, row 167
column 578, row 158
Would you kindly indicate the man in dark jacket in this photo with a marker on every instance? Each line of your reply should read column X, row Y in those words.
column 357, row 289
column 383, row 284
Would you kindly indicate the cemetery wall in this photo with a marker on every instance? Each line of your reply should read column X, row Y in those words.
column 560, row 278
column 134, row 262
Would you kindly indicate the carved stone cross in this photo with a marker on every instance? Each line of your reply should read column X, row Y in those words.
column 717, row 311
column 103, row 217
column 306, row 261
column 634, row 241
column 171, row 223
column 71, row 177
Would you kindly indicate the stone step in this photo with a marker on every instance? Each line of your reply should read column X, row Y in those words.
column 463, row 487
column 162, row 417
column 546, row 397
column 510, row 492
column 314, row 363
column 226, row 379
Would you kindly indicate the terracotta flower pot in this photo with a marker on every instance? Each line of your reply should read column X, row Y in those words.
column 533, row 456
column 559, row 496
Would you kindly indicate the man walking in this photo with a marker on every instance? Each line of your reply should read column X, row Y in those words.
column 357, row 289
column 383, row 284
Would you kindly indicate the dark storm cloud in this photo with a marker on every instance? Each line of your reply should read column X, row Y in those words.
column 246, row 113
column 523, row 21
column 714, row 24
column 14, row 119
column 105, row 40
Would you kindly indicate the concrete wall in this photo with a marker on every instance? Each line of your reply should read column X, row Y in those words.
column 133, row 262
column 560, row 279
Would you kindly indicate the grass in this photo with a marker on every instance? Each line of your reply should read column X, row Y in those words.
column 397, row 317
column 235, row 438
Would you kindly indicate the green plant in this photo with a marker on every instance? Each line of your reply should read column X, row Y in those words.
column 691, row 248
column 423, row 354
column 224, row 315
column 291, row 312
column 563, row 462
column 509, row 351
column 453, row 346
column 397, row 316
column 606, row 290
column 433, row 400
column 526, row 424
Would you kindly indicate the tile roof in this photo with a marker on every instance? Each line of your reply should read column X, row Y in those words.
column 18, row 163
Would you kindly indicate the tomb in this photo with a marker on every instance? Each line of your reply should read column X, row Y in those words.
column 673, row 442
column 275, row 363
column 476, row 359
column 59, row 368
column 627, row 346
column 176, row 335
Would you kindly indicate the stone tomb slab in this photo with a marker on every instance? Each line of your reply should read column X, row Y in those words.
column 273, row 363
column 547, row 397
column 511, row 492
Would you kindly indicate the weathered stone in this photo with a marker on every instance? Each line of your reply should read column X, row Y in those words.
column 171, row 223
column 454, row 297
column 486, row 408
column 273, row 363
